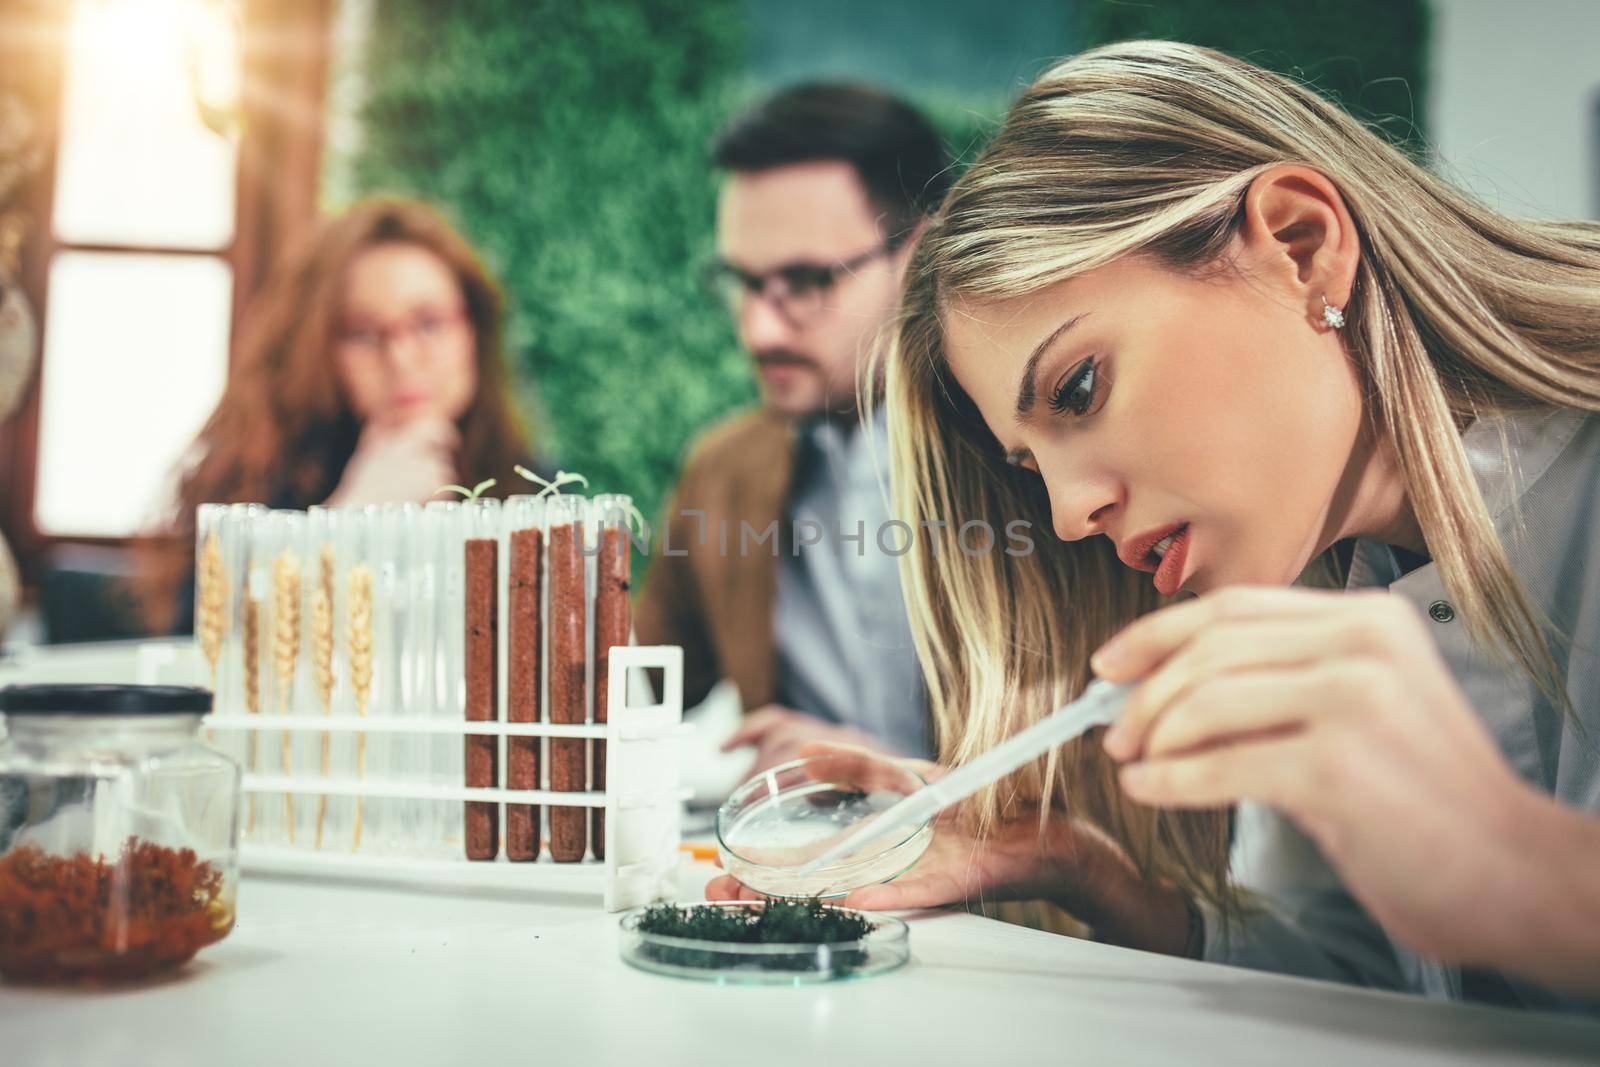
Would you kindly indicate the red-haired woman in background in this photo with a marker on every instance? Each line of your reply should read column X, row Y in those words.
column 370, row 370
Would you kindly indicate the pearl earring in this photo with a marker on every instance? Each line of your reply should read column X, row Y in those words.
column 1330, row 314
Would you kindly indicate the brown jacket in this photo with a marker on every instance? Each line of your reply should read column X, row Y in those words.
column 705, row 590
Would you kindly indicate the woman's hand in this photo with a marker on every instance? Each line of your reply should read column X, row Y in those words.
column 1069, row 863
column 1337, row 710
column 399, row 461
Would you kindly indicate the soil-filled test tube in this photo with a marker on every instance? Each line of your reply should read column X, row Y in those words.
column 482, row 671
column 568, row 661
column 524, row 648
column 613, row 621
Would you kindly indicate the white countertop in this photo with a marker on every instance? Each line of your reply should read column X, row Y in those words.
column 351, row 974
column 323, row 973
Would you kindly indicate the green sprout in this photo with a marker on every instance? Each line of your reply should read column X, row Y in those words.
column 470, row 494
column 635, row 518
column 552, row 485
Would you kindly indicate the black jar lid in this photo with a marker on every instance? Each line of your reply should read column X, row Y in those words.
column 104, row 700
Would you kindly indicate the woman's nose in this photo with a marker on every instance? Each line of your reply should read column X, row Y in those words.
column 1082, row 506
column 401, row 352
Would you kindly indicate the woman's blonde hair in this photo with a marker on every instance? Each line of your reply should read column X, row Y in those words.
column 1149, row 148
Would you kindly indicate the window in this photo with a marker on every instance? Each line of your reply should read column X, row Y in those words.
column 136, row 356
column 140, row 284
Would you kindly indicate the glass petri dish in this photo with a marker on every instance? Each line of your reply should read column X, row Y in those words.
column 784, row 816
column 885, row 949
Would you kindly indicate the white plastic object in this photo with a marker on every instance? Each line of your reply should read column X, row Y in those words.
column 643, row 799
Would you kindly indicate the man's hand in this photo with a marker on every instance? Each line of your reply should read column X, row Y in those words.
column 777, row 733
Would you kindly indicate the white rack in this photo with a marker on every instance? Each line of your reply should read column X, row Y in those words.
column 643, row 799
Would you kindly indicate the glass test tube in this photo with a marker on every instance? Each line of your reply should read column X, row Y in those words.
column 448, row 551
column 324, row 567
column 482, row 673
column 613, row 625
column 525, row 667
column 568, row 666
column 355, row 630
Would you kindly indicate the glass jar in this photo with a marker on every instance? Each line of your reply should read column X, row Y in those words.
column 119, row 832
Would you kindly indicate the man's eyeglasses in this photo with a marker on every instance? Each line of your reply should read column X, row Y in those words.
column 796, row 290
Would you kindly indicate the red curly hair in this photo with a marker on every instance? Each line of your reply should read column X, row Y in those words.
column 284, row 429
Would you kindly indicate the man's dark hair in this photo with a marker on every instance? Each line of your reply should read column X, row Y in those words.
column 894, row 150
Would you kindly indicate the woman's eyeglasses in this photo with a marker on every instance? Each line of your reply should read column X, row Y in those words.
column 426, row 329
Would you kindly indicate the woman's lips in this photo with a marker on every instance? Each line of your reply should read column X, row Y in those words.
column 1169, row 574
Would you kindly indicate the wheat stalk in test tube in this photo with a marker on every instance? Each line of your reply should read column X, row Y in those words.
column 322, row 664
column 211, row 613
column 359, row 638
column 285, row 652
column 252, row 686
column 211, row 617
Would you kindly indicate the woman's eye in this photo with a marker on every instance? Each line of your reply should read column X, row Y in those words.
column 1079, row 392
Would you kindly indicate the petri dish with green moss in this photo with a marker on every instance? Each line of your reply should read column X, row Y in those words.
column 739, row 943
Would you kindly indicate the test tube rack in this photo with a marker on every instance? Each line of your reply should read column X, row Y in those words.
column 643, row 808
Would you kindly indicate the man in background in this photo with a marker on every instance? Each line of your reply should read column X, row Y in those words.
column 824, row 192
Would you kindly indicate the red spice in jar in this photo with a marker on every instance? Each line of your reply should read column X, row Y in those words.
column 523, row 646
column 613, row 621
column 569, row 826
column 76, row 918
column 482, row 652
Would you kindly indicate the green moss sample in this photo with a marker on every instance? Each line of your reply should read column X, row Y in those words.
column 778, row 922
column 802, row 924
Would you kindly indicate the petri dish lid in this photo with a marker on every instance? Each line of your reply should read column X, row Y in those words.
column 80, row 699
column 782, row 817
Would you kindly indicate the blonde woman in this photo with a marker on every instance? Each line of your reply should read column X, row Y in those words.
column 1211, row 335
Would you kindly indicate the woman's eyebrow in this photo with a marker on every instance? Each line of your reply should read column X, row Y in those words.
column 1027, row 392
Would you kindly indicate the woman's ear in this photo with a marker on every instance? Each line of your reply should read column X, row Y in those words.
column 1298, row 235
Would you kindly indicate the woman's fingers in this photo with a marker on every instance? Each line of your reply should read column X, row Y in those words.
column 1269, row 770
column 722, row 887
column 427, row 432
column 1146, row 642
column 1228, row 707
column 890, row 896
column 1259, row 628
column 727, row 887
column 1226, row 648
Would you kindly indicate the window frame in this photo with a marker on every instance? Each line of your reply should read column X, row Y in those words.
column 285, row 52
